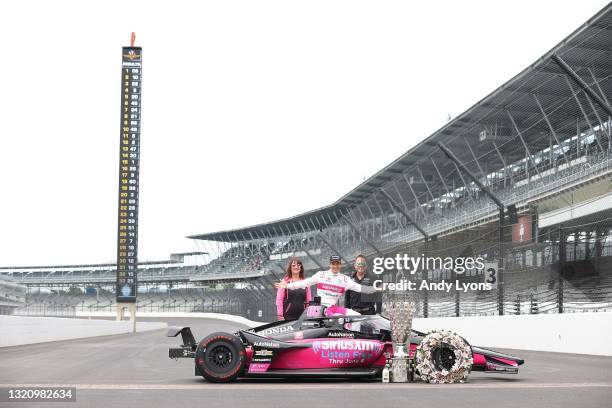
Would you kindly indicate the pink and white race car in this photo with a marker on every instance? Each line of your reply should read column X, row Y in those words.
column 317, row 345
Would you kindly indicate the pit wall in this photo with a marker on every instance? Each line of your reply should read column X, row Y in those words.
column 581, row 333
column 21, row 330
column 221, row 316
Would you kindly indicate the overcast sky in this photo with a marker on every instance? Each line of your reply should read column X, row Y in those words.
column 251, row 110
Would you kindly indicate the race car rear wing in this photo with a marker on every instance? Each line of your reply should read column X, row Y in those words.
column 187, row 336
column 187, row 349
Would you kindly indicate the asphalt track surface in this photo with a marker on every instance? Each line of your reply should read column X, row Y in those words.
column 133, row 370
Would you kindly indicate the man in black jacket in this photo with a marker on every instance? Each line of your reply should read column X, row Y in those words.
column 366, row 304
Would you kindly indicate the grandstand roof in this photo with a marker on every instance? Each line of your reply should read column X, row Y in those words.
column 589, row 47
column 308, row 221
column 518, row 108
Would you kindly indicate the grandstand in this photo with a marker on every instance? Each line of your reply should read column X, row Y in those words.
column 12, row 295
column 521, row 178
column 540, row 144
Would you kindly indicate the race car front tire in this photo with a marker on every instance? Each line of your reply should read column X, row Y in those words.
column 220, row 357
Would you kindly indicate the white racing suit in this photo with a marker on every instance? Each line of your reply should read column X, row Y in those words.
column 331, row 287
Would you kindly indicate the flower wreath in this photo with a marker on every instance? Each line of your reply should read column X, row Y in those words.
column 426, row 366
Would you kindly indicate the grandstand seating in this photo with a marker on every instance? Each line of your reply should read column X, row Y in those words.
column 247, row 268
column 12, row 295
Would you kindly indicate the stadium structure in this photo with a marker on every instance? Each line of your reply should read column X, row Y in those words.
column 12, row 296
column 522, row 178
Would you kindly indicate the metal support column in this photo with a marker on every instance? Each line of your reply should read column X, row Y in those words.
column 586, row 118
column 362, row 236
column 473, row 177
column 425, row 182
column 313, row 259
column 401, row 210
column 500, row 265
column 562, row 259
column 416, row 199
column 565, row 67
column 465, row 185
column 520, row 135
column 334, row 249
column 451, row 196
column 475, row 159
column 506, row 169
column 500, row 205
column 552, row 130
column 383, row 220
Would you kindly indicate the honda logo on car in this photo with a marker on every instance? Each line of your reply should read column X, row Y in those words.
column 346, row 345
column 277, row 330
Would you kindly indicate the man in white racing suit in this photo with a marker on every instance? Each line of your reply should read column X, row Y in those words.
column 331, row 286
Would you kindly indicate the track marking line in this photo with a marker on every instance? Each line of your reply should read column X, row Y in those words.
column 285, row 386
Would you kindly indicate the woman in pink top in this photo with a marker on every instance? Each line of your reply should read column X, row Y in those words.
column 290, row 303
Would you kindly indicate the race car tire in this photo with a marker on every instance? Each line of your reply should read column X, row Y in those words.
column 444, row 357
column 220, row 357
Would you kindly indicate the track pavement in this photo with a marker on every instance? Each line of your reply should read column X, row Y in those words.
column 134, row 370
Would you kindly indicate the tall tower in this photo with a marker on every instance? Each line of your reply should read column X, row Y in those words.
column 129, row 170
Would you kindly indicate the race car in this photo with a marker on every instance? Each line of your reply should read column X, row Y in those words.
column 318, row 345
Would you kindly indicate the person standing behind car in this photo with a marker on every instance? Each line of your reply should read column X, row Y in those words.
column 290, row 303
column 366, row 304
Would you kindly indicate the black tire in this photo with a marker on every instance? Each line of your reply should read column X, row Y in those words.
column 220, row 357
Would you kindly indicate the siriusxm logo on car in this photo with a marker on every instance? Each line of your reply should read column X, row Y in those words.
column 347, row 345
column 346, row 351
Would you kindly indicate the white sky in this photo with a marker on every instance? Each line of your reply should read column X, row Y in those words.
column 251, row 110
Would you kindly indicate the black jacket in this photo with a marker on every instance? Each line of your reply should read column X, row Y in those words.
column 362, row 302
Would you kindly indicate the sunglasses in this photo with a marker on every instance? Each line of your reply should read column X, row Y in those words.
column 360, row 264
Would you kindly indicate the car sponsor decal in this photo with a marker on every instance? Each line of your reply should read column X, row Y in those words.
column 330, row 288
column 298, row 335
column 258, row 367
column 499, row 368
column 347, row 335
column 313, row 311
column 264, row 352
column 262, row 360
column 347, row 345
column 277, row 330
column 266, row 344
column 346, row 351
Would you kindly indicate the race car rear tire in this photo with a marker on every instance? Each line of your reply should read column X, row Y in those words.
column 220, row 357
